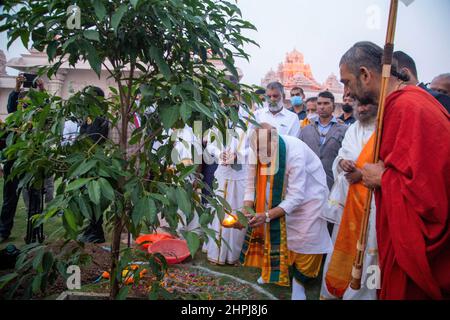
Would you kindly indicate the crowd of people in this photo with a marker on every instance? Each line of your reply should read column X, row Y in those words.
column 313, row 174
column 302, row 175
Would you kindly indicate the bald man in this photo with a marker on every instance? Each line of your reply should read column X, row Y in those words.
column 287, row 188
column 441, row 84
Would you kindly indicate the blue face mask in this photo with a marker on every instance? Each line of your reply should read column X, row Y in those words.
column 296, row 101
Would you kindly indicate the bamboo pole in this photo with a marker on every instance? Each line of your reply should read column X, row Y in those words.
column 355, row 283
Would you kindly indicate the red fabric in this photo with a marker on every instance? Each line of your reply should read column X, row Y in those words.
column 413, row 222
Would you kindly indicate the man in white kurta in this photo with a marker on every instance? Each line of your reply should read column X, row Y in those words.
column 354, row 141
column 305, row 198
column 231, row 175
column 186, row 149
column 275, row 113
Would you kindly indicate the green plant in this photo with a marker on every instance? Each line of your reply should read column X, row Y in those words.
column 164, row 48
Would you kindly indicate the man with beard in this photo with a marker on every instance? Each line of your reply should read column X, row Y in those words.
column 275, row 113
column 347, row 117
column 346, row 208
column 411, row 182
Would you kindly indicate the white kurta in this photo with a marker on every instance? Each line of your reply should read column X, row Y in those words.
column 186, row 148
column 70, row 132
column 305, row 198
column 286, row 122
column 354, row 141
column 231, row 178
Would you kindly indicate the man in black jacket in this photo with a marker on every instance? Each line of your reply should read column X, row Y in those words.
column 11, row 190
column 97, row 131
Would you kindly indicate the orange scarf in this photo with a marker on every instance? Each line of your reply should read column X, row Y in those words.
column 338, row 276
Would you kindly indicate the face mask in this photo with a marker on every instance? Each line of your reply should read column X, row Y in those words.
column 310, row 116
column 347, row 108
column 296, row 101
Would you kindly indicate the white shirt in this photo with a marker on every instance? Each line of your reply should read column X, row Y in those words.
column 353, row 143
column 286, row 122
column 305, row 198
column 236, row 139
column 184, row 139
column 70, row 132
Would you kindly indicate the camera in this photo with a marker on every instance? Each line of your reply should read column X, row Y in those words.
column 30, row 80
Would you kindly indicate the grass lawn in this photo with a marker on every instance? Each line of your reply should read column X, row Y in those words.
column 53, row 228
column 252, row 274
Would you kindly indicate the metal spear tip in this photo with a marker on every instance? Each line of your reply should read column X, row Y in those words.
column 407, row 2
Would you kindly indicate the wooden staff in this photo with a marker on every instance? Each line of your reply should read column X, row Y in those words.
column 355, row 284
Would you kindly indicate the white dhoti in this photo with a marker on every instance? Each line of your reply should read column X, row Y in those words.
column 354, row 141
column 371, row 275
column 231, row 239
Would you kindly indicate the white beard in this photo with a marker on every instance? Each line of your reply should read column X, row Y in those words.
column 276, row 108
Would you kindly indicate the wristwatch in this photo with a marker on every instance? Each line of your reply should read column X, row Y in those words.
column 267, row 216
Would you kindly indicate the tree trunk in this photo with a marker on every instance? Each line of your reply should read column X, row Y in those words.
column 118, row 223
column 115, row 254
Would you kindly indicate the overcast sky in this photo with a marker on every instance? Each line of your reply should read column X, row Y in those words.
column 324, row 29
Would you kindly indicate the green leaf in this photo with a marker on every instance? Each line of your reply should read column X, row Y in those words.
column 185, row 112
column 47, row 261
column 157, row 55
column 117, row 16
column 135, row 138
column 93, row 58
column 160, row 198
column 84, row 207
column 151, row 211
column 25, row 37
column 193, row 242
column 200, row 107
column 242, row 219
column 229, row 65
column 169, row 116
column 123, row 293
column 139, row 211
column 94, row 191
column 38, row 258
column 69, row 218
column 36, row 284
column 83, row 168
column 51, row 50
column 205, row 219
column 99, row 8
column 187, row 171
column 4, row 280
column 77, row 184
column 107, row 189
column 134, row 3
column 91, row 35
column 183, row 201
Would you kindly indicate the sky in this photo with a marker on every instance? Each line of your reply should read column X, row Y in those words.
column 324, row 29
